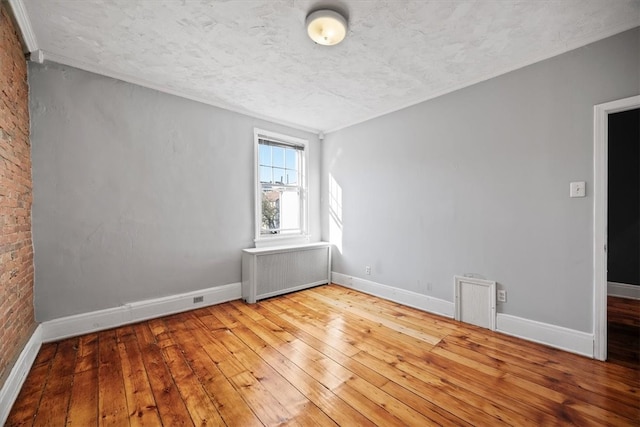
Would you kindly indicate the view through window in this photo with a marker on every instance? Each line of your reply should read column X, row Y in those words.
column 280, row 166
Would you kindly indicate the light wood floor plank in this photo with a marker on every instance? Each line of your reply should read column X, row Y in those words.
column 614, row 376
column 263, row 403
column 327, row 356
column 308, row 340
column 171, row 407
column 393, row 406
column 391, row 322
column 370, row 409
column 201, row 408
column 140, row 401
column 405, row 315
column 112, row 401
column 83, row 407
column 314, row 389
column 232, row 408
column 356, row 329
column 435, row 414
column 550, row 379
column 300, row 320
column 54, row 403
column 437, row 389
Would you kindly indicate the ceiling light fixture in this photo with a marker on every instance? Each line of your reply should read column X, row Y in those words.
column 326, row 27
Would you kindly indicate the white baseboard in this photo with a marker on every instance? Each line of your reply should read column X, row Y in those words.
column 409, row 298
column 544, row 333
column 79, row 324
column 13, row 384
column 623, row 290
column 554, row 336
column 85, row 323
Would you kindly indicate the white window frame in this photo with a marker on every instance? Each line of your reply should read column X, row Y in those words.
column 295, row 237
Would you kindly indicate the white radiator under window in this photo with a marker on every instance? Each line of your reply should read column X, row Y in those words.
column 267, row 272
column 476, row 301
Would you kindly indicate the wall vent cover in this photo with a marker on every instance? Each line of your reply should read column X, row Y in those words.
column 476, row 301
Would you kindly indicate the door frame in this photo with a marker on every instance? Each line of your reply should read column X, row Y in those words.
column 600, row 210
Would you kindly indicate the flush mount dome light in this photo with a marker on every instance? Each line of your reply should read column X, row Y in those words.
column 326, row 27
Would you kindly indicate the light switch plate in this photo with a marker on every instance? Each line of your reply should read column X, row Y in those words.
column 577, row 189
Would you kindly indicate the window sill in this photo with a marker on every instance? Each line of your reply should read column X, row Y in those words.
column 280, row 240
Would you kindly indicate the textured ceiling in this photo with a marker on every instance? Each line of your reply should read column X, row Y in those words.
column 255, row 57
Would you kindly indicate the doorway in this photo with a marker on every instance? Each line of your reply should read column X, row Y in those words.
column 623, row 238
column 602, row 115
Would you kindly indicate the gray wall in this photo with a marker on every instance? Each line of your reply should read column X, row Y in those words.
column 477, row 182
column 138, row 194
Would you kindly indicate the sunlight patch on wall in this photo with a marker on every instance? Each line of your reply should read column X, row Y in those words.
column 335, row 213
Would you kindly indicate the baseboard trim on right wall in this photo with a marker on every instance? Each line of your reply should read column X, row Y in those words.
column 543, row 333
column 623, row 290
column 408, row 298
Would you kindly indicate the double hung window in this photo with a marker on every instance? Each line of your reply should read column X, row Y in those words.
column 281, row 185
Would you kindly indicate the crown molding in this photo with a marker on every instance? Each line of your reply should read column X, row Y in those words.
column 20, row 15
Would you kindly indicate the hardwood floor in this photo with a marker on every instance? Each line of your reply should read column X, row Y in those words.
column 623, row 331
column 324, row 356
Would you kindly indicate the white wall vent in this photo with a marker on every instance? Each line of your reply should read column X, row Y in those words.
column 476, row 301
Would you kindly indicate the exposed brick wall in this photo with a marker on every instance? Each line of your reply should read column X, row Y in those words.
column 16, row 250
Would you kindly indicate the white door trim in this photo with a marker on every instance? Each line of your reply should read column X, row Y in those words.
column 600, row 152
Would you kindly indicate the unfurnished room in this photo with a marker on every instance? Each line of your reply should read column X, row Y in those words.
column 319, row 213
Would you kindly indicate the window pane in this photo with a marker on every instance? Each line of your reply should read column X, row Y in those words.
column 291, row 177
column 279, row 176
column 280, row 166
column 264, row 154
column 291, row 159
column 277, row 156
column 290, row 210
column 265, row 174
column 270, row 211
column 280, row 210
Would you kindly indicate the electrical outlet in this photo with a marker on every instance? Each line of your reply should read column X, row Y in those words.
column 198, row 299
column 367, row 270
column 502, row 295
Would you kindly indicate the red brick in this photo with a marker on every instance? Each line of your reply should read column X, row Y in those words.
column 16, row 250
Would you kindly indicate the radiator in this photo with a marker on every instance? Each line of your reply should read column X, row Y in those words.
column 267, row 272
column 476, row 301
